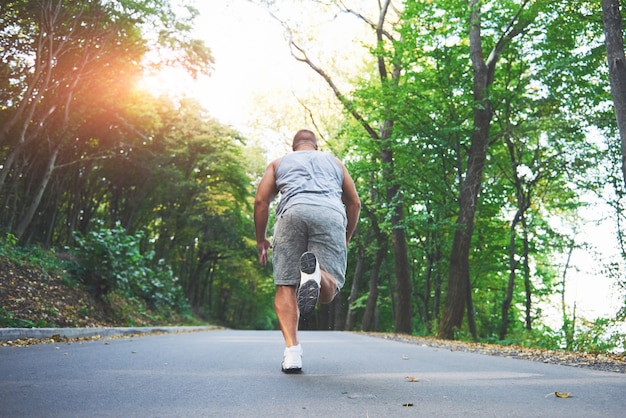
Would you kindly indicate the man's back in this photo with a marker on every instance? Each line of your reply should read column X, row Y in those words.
column 309, row 177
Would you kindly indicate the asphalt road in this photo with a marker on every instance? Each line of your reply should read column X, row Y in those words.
column 225, row 373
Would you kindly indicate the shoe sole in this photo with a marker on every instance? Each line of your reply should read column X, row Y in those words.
column 308, row 294
column 308, row 263
column 294, row 370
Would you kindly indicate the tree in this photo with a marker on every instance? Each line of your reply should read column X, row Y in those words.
column 614, row 41
column 459, row 278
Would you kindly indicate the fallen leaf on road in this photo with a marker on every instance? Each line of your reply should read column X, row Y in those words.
column 412, row 379
column 559, row 394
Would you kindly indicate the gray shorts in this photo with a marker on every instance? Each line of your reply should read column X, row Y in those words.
column 304, row 228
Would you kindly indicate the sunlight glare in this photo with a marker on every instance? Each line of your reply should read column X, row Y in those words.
column 170, row 82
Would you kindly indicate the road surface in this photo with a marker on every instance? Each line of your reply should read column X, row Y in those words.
column 226, row 373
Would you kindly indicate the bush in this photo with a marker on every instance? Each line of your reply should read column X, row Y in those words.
column 602, row 335
column 111, row 261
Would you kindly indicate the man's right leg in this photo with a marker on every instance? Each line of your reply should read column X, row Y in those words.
column 286, row 308
column 290, row 241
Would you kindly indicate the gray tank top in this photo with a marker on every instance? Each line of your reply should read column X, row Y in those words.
column 310, row 178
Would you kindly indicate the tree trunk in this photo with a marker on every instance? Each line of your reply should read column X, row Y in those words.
column 369, row 316
column 616, row 61
column 206, row 287
column 471, row 321
column 568, row 325
column 527, row 283
column 339, row 320
column 36, row 200
column 403, row 312
column 354, row 291
column 508, row 298
column 403, row 315
column 458, row 277
column 437, row 296
column 428, row 277
column 432, row 283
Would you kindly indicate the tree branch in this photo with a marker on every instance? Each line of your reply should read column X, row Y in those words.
column 300, row 55
column 375, row 26
column 514, row 28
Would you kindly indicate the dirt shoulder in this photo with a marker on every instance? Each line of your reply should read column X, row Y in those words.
column 29, row 298
column 598, row 361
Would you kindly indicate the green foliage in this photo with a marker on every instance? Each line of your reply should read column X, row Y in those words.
column 540, row 337
column 8, row 245
column 111, row 261
column 8, row 320
column 601, row 335
column 131, row 311
column 34, row 255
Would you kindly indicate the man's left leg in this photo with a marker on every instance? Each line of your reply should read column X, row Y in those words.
column 327, row 244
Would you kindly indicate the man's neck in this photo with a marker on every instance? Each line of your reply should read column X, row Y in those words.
column 305, row 146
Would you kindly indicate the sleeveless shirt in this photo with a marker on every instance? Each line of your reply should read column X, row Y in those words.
column 310, row 178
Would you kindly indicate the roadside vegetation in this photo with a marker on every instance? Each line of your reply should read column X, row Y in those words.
column 41, row 288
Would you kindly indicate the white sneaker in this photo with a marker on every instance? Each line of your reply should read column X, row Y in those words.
column 310, row 278
column 292, row 359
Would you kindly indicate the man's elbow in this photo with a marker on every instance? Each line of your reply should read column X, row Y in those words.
column 353, row 207
column 260, row 205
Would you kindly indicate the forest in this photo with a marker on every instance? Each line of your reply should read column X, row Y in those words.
column 477, row 133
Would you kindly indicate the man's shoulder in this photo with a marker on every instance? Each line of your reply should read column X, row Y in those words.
column 274, row 163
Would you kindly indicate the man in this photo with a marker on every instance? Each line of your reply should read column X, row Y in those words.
column 315, row 219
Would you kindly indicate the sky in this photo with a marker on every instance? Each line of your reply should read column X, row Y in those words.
column 253, row 58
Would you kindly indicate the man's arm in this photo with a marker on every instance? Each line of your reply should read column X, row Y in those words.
column 266, row 192
column 351, row 200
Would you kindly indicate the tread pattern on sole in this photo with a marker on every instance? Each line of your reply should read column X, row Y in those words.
column 307, row 263
column 308, row 294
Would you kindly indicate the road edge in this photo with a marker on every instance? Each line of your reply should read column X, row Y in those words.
column 12, row 334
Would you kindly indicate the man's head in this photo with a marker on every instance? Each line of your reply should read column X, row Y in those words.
column 304, row 139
